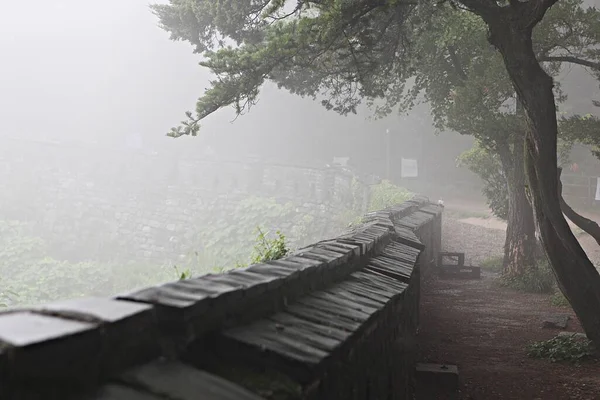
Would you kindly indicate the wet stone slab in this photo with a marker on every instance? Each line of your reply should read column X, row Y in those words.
column 42, row 347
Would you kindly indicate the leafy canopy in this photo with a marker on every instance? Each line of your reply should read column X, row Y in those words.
column 337, row 50
column 393, row 53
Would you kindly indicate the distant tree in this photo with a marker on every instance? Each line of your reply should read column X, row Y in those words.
column 344, row 51
column 480, row 100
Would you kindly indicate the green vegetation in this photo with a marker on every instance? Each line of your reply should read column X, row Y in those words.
column 487, row 165
column 559, row 300
column 386, row 194
column 269, row 249
column 541, row 280
column 493, row 264
column 31, row 274
column 533, row 280
column 562, row 348
column 486, row 69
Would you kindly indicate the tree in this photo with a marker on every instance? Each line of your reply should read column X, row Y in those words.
column 343, row 51
column 483, row 104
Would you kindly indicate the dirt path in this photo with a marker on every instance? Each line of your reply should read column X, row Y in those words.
column 484, row 329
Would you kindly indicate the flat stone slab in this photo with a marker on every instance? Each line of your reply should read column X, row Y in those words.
column 436, row 381
column 21, row 329
column 556, row 321
column 174, row 380
column 465, row 272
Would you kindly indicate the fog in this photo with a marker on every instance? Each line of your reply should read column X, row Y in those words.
column 88, row 91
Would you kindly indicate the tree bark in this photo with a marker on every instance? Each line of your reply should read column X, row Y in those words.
column 587, row 225
column 578, row 279
column 520, row 244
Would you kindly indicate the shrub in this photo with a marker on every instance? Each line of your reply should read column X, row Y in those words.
column 562, row 348
column 386, row 194
column 493, row 264
column 559, row 300
column 267, row 249
column 533, row 280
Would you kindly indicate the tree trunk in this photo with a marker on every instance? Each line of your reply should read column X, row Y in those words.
column 578, row 278
column 587, row 225
column 520, row 244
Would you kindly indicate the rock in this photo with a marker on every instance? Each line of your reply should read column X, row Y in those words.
column 556, row 322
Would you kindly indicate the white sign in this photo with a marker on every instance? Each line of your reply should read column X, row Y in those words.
column 597, row 188
column 409, row 168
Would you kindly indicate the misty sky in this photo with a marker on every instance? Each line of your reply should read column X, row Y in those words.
column 88, row 70
column 99, row 71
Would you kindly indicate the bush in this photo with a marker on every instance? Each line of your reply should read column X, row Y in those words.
column 31, row 274
column 267, row 249
column 386, row 194
column 493, row 264
column 226, row 237
column 562, row 348
column 559, row 300
column 534, row 280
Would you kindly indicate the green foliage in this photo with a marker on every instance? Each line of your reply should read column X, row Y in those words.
column 225, row 239
column 559, row 300
column 540, row 279
column 30, row 276
column 183, row 275
column 562, row 348
column 305, row 50
column 269, row 249
column 386, row 194
column 583, row 129
column 393, row 54
column 493, row 264
column 226, row 235
column 489, row 168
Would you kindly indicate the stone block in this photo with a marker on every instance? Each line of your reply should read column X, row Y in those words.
column 175, row 380
column 436, row 381
column 121, row 392
column 43, row 348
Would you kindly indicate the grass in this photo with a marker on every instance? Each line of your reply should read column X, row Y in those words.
column 538, row 280
column 559, row 300
column 493, row 264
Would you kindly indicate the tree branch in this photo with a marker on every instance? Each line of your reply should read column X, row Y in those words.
column 587, row 225
column 536, row 9
column 573, row 60
column 484, row 8
column 456, row 64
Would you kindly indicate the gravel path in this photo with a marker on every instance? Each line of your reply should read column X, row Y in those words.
column 477, row 242
column 483, row 238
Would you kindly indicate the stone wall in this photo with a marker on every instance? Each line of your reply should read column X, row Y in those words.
column 334, row 321
column 101, row 203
